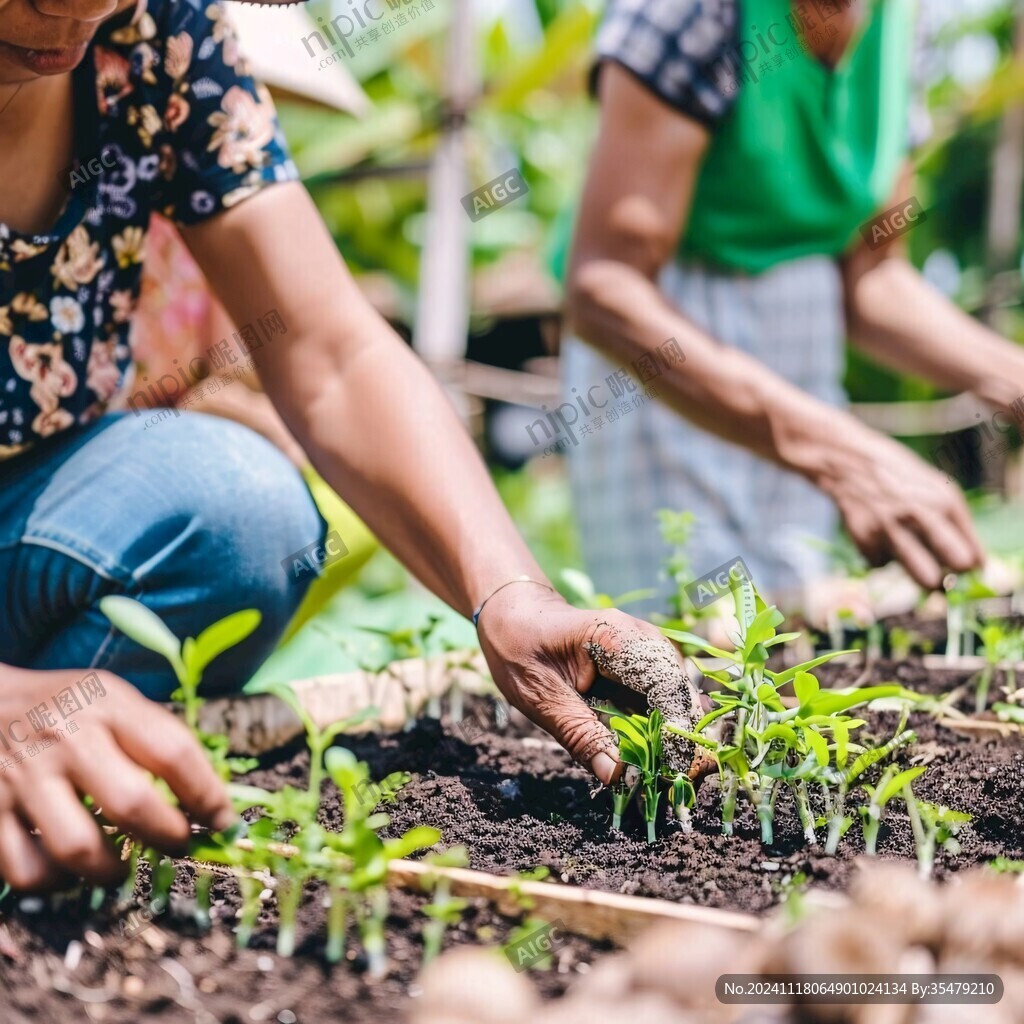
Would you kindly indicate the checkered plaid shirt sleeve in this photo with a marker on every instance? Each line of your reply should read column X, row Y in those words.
column 684, row 51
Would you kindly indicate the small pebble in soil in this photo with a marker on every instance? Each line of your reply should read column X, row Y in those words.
column 260, row 1012
column 133, row 986
column 30, row 905
column 770, row 865
column 265, row 963
column 286, row 1017
column 509, row 789
column 415, row 991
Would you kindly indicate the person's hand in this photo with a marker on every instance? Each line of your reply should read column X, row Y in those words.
column 897, row 506
column 544, row 654
column 47, row 835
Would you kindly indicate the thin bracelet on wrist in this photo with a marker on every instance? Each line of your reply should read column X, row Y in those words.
column 507, row 583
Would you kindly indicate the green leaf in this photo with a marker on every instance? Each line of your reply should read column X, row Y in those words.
column 145, row 627
column 781, row 678
column 692, row 640
column 712, row 715
column 220, row 637
column 841, row 735
column 421, row 837
column 818, row 745
column 779, row 730
column 781, row 638
column 896, row 783
column 806, row 687
column 828, row 703
column 1009, row 713
column 762, row 628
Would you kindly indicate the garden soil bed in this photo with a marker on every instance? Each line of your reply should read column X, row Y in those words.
column 515, row 805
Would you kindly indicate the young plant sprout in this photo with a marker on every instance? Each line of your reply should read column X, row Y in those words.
column 640, row 745
column 189, row 659
column 445, row 911
column 410, row 643
column 961, row 594
column 357, row 878
column 1002, row 647
column 677, row 531
column 771, row 746
column 888, row 786
column 903, row 641
column 934, row 825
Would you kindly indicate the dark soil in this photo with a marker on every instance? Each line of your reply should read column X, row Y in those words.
column 516, row 804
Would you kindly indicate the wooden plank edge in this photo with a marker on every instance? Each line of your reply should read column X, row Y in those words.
column 258, row 722
column 589, row 912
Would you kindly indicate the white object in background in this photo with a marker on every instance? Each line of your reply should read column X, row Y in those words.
column 271, row 39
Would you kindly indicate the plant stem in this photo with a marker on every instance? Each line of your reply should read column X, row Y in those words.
column 803, row 806
column 250, row 889
column 981, row 693
column 375, row 912
column 925, row 849
column 204, row 881
column 289, row 893
column 337, row 916
column 729, row 794
column 765, row 811
column 954, row 632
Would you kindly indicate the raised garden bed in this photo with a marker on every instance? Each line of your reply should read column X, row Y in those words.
column 517, row 803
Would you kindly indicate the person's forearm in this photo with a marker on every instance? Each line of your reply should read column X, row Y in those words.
column 383, row 434
column 719, row 388
column 896, row 317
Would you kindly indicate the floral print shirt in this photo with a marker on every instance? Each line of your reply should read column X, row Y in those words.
column 167, row 119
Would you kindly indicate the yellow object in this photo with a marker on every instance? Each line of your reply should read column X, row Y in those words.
column 360, row 542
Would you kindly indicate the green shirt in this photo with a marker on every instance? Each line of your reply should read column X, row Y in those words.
column 807, row 154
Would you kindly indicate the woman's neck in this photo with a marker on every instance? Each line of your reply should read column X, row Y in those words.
column 846, row 20
column 36, row 143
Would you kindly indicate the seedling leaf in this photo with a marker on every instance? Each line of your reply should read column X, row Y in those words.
column 143, row 626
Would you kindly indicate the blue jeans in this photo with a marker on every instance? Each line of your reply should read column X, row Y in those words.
column 191, row 516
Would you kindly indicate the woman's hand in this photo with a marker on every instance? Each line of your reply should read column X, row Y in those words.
column 544, row 654
column 47, row 835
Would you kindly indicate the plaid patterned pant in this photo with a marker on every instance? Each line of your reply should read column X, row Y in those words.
column 791, row 320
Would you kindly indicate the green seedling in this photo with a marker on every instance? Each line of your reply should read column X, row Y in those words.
column 888, row 786
column 404, row 644
column 1002, row 648
column 640, row 745
column 445, row 911
column 357, row 880
column 770, row 746
column 677, row 532
column 934, row 825
column 962, row 593
column 903, row 641
column 188, row 658
column 1005, row 866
